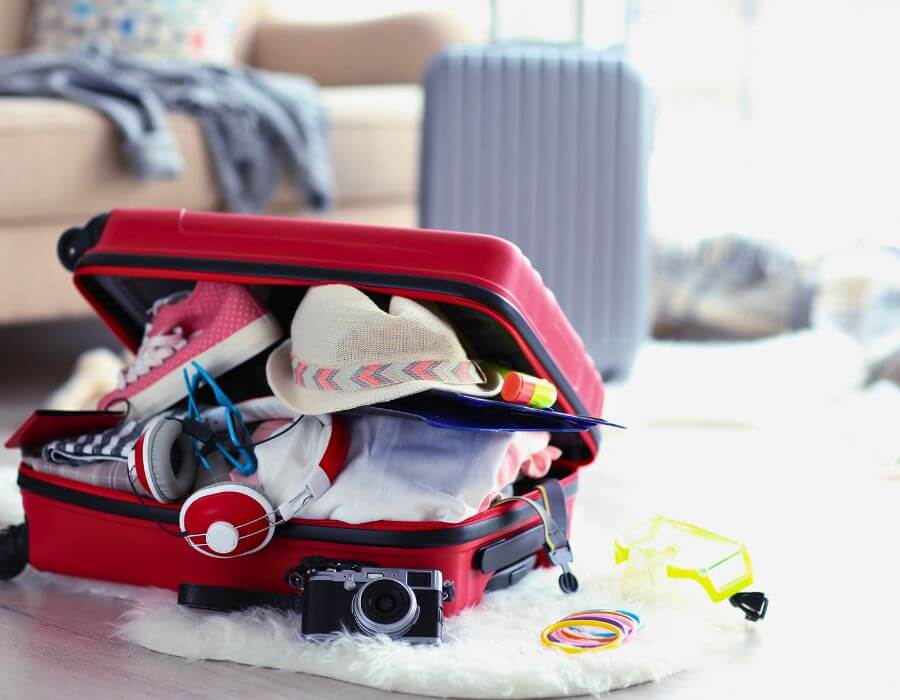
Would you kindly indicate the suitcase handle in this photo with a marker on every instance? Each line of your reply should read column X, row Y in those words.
column 507, row 552
column 507, row 576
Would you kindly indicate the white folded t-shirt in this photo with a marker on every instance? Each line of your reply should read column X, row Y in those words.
column 396, row 469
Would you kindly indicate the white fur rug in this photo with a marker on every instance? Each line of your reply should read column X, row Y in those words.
column 693, row 412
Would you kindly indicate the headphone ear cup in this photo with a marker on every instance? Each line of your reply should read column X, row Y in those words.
column 163, row 461
column 227, row 520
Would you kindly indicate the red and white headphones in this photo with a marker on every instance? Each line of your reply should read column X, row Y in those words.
column 229, row 519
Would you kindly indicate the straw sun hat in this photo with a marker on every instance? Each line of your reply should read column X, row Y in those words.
column 344, row 352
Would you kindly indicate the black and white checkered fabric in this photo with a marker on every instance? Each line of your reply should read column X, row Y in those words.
column 116, row 443
column 110, row 445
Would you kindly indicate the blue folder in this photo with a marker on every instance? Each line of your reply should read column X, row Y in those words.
column 446, row 409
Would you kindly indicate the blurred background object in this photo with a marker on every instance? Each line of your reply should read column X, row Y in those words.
column 547, row 146
column 859, row 294
column 729, row 288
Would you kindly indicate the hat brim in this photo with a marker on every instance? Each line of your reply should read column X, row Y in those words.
column 315, row 402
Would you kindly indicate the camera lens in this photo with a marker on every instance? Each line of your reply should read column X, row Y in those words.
column 385, row 606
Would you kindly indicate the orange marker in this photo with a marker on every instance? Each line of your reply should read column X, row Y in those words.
column 525, row 389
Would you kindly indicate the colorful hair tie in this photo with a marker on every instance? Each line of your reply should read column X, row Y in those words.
column 591, row 630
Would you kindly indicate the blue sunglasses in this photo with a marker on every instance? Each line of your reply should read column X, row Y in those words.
column 240, row 453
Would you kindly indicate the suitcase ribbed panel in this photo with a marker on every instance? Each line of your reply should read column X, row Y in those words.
column 548, row 148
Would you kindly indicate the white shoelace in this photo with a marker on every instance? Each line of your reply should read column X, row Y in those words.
column 155, row 349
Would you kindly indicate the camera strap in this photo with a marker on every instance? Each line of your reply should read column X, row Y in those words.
column 224, row 599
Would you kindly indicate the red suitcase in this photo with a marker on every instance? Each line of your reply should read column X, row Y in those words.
column 122, row 261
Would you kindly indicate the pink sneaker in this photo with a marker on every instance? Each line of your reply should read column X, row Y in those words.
column 219, row 325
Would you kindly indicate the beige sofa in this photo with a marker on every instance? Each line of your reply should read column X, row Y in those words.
column 60, row 163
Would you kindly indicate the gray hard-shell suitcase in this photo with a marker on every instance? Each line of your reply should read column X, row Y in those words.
column 548, row 147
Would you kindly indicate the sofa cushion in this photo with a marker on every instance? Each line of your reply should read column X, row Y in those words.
column 374, row 143
column 61, row 160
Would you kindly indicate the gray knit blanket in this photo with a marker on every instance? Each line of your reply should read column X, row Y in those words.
column 257, row 125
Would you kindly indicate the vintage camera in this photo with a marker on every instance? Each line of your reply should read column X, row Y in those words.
column 404, row 604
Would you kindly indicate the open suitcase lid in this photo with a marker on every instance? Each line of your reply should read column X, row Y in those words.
column 127, row 258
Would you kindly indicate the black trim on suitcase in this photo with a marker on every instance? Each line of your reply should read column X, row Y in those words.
column 438, row 537
column 453, row 288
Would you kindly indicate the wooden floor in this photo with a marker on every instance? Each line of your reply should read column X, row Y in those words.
column 53, row 640
column 832, row 571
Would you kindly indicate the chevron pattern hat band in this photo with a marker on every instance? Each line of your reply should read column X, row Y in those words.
column 345, row 351
column 383, row 374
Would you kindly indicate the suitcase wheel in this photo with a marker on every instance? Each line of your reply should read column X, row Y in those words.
column 13, row 551
column 75, row 242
